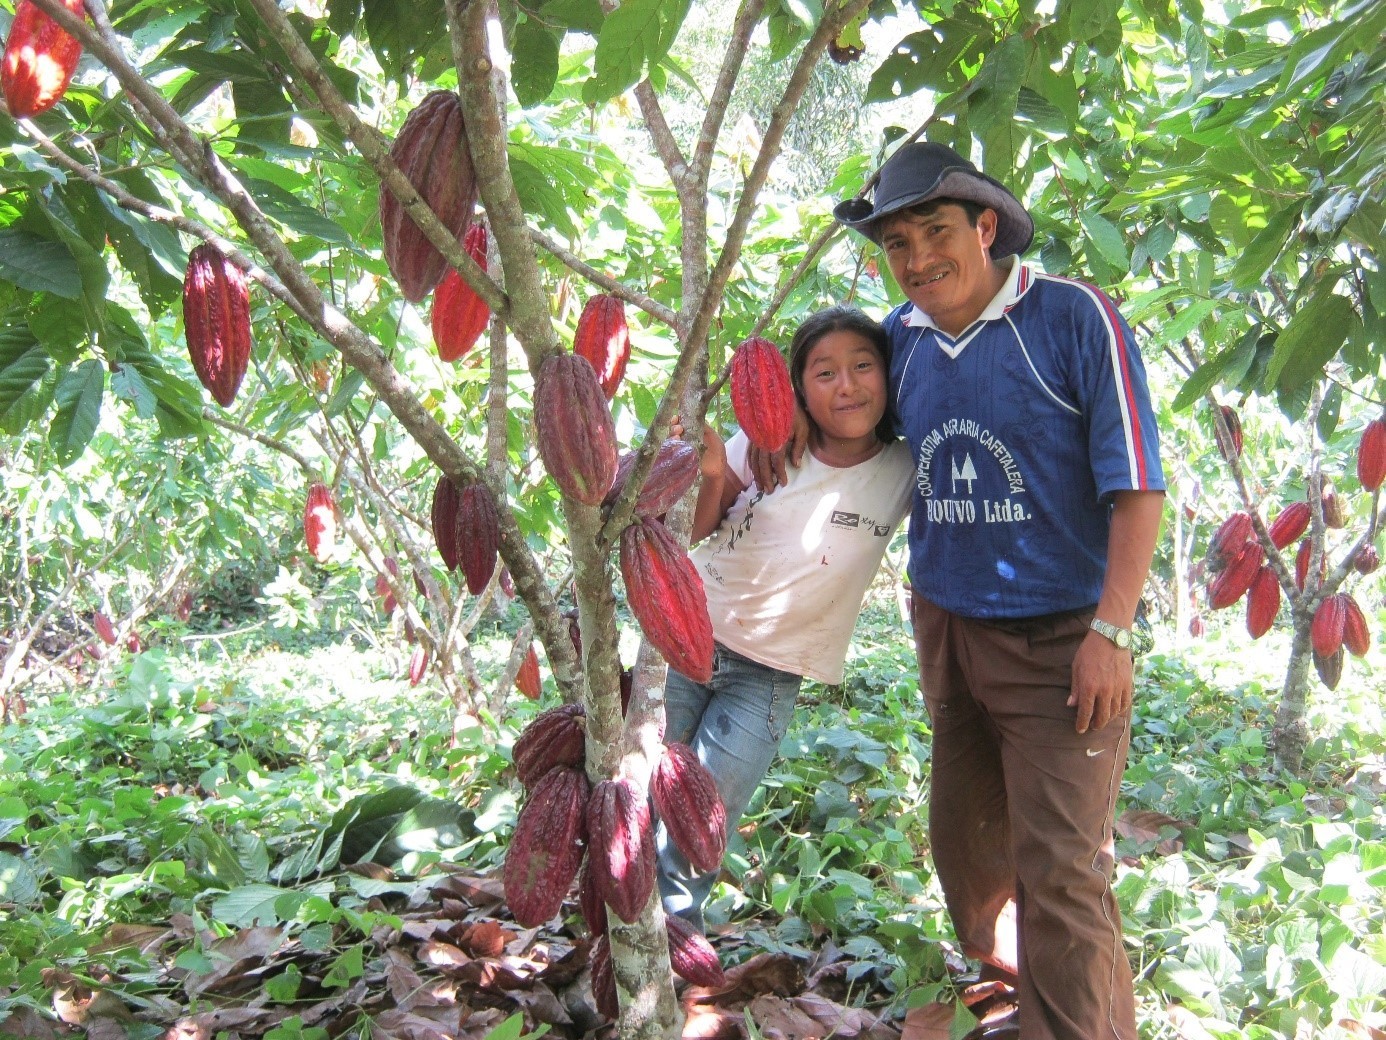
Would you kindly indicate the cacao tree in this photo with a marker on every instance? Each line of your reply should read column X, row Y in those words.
column 281, row 137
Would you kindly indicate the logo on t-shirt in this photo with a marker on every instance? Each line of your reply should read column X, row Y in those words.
column 960, row 495
column 841, row 519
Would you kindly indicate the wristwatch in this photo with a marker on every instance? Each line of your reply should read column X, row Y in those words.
column 1120, row 636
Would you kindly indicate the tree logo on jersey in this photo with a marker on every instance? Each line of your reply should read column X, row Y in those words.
column 982, row 481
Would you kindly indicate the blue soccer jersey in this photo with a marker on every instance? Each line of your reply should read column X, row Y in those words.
column 1020, row 429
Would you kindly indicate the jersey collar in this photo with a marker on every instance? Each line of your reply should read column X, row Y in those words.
column 1016, row 285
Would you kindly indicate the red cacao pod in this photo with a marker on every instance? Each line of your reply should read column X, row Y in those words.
column 762, row 395
column 1302, row 555
column 622, row 847
column 1292, row 522
column 320, row 521
column 507, row 583
column 666, row 595
column 1262, row 602
column 382, row 586
column 604, row 340
column 1229, row 443
column 556, row 737
column 216, row 321
column 685, row 796
column 590, row 900
column 672, row 473
column 443, row 519
column 691, row 956
column 431, row 151
column 1228, row 539
column 418, row 665
column 1197, row 626
column 1330, row 668
column 546, row 849
column 460, row 315
column 1326, row 630
column 527, row 678
column 574, row 631
column 478, row 535
column 1367, row 559
column 134, row 644
column 1334, row 513
column 1232, row 584
column 185, row 607
column 1371, row 455
column 39, row 60
column 576, row 434
column 104, row 629
column 604, row 980
column 1356, row 637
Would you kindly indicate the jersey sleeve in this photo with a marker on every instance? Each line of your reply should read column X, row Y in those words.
column 1123, row 441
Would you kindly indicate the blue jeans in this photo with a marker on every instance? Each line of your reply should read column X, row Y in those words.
column 734, row 724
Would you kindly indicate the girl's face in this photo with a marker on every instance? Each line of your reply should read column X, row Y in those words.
column 845, row 387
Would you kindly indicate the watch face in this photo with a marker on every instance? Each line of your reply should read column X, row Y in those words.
column 1122, row 638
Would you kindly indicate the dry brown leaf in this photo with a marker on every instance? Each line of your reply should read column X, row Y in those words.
column 929, row 1022
column 397, row 1024
column 1187, row 1024
column 1356, row 1028
column 778, row 1019
column 441, row 955
column 1146, row 825
column 486, row 939
column 705, row 1022
column 145, row 938
column 776, row 973
column 840, row 1020
column 27, row 1022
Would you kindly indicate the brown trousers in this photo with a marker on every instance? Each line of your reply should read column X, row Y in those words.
column 1020, row 817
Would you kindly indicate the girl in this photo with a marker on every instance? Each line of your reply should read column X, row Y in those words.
column 785, row 574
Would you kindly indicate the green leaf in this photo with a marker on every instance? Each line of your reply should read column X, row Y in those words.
column 39, row 264
column 583, row 15
column 128, row 385
column 26, row 379
column 401, row 32
column 1257, row 258
column 1107, row 240
column 78, row 396
column 535, row 68
column 19, row 885
column 1311, row 339
column 248, row 905
column 635, row 36
column 1207, row 374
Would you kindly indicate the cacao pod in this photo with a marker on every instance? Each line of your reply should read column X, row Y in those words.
column 1334, row 514
column 622, row 847
column 460, row 315
column 478, row 535
column 1326, row 630
column 216, row 321
column 418, row 665
column 576, row 434
column 590, row 901
column 762, row 395
column 135, row 645
column 1228, row 539
column 1302, row 556
column 546, row 849
column 1356, row 638
column 185, row 607
column 507, row 583
column 320, row 521
column 443, row 519
column 1330, row 668
column 556, row 737
column 667, row 598
column 527, row 678
column 1229, row 442
column 1262, row 602
column 604, row 980
column 672, row 473
column 383, row 588
column 574, row 631
column 1292, row 522
column 1367, row 559
column 104, row 629
column 686, row 798
column 431, row 151
column 39, row 60
column 1232, row 584
column 1371, row 455
column 604, row 340
column 691, row 956
column 627, row 686
column 1197, row 626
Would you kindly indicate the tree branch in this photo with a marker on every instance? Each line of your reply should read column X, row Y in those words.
column 569, row 259
column 738, row 45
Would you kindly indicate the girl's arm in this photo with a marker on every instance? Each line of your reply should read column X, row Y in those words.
column 720, row 485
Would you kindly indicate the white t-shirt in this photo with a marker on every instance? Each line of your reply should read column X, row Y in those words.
column 785, row 573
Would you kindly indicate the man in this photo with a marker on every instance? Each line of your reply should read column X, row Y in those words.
column 1037, row 501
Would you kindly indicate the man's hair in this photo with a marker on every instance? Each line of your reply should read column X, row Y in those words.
column 974, row 210
column 840, row 319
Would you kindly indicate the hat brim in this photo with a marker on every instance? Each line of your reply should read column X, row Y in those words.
column 1014, row 228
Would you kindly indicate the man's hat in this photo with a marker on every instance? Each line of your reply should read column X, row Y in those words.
column 921, row 171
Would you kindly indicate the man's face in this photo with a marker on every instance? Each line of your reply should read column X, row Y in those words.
column 941, row 263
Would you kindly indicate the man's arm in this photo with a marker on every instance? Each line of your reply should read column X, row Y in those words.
column 1102, row 671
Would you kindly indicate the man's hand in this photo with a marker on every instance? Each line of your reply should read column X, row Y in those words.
column 1102, row 683
column 768, row 467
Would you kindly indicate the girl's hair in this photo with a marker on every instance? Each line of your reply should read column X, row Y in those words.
column 840, row 319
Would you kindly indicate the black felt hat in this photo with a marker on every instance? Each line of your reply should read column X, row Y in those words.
column 922, row 171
